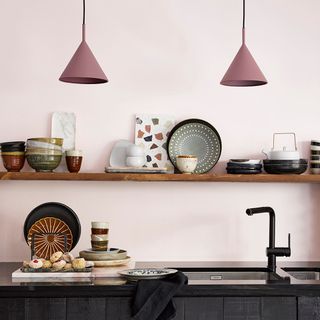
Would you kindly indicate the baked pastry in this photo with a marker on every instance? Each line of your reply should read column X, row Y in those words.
column 59, row 265
column 25, row 263
column 46, row 264
column 68, row 257
column 79, row 263
column 56, row 256
column 89, row 264
column 67, row 266
column 35, row 264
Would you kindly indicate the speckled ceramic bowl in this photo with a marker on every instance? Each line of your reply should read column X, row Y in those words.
column 43, row 163
column 56, row 141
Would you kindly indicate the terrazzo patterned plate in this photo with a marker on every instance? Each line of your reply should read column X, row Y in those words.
column 196, row 137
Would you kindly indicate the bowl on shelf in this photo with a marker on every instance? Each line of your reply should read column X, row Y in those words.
column 43, row 151
column 42, row 145
column 13, row 161
column 56, row 141
column 43, row 162
column 14, row 146
column 285, row 166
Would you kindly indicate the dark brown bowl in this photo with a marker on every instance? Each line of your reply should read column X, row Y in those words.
column 13, row 163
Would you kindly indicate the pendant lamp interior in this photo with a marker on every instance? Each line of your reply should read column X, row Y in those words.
column 83, row 67
column 243, row 71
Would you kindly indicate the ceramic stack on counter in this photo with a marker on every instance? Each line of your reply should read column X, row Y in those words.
column 284, row 160
column 244, row 166
column 315, row 157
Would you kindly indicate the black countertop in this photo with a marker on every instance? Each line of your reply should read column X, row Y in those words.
column 117, row 287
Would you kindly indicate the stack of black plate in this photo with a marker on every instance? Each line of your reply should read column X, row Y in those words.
column 285, row 166
column 244, row 166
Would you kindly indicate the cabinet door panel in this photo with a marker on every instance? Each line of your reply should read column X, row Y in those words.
column 45, row 309
column 203, row 308
column 118, row 308
column 86, row 308
column 245, row 308
column 12, row 309
column 309, row 308
column 278, row 308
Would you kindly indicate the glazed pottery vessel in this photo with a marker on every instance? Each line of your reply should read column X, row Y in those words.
column 13, row 161
column 43, row 163
column 186, row 163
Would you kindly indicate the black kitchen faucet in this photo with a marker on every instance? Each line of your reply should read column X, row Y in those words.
column 272, row 250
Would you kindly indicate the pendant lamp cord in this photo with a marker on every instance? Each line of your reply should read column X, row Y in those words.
column 84, row 12
column 243, row 14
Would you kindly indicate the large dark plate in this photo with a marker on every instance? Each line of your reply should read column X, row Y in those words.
column 56, row 210
column 195, row 137
column 243, row 171
column 285, row 162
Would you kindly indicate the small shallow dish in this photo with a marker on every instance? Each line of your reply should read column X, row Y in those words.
column 146, row 274
column 245, row 161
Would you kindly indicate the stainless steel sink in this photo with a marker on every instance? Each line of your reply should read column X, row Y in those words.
column 211, row 274
column 304, row 273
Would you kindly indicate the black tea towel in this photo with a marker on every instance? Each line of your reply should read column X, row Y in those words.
column 153, row 298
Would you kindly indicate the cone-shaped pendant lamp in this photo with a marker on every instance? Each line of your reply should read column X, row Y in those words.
column 243, row 71
column 83, row 67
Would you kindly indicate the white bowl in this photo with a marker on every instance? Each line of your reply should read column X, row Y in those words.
column 187, row 164
column 135, row 161
column 135, row 151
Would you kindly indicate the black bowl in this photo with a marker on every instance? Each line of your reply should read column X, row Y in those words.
column 285, row 169
column 285, row 162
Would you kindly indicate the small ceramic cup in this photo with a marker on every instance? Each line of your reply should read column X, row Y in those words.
column 99, row 235
column 13, row 161
column 74, row 160
column 187, row 163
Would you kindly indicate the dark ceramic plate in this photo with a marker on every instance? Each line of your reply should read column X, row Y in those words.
column 315, row 143
column 243, row 171
column 314, row 165
column 232, row 165
column 314, row 152
column 56, row 210
column 196, row 137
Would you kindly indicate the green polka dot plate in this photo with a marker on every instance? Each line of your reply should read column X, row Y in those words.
column 195, row 137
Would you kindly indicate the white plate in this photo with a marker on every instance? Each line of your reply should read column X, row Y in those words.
column 119, row 153
column 145, row 274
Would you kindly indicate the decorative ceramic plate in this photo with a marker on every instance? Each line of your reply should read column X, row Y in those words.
column 58, row 211
column 144, row 274
column 49, row 237
column 196, row 137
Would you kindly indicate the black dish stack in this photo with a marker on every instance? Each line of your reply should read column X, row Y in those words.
column 244, row 166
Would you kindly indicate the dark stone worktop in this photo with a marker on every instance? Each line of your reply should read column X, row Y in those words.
column 117, row 287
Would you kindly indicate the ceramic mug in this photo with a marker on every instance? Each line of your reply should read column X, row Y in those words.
column 187, row 163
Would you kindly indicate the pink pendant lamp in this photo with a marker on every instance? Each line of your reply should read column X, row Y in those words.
column 243, row 71
column 83, row 67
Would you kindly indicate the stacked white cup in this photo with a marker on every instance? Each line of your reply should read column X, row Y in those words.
column 135, row 156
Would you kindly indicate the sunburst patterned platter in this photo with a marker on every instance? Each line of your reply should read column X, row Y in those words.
column 51, row 221
column 195, row 137
column 49, row 237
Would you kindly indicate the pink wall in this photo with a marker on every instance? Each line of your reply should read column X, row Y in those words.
column 167, row 57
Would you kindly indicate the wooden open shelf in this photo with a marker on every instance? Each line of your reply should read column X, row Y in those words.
column 305, row 178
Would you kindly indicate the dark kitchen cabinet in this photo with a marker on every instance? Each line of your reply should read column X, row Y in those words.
column 193, row 308
column 309, row 308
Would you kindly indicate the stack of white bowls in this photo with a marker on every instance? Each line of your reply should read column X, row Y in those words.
column 315, row 157
column 135, row 156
